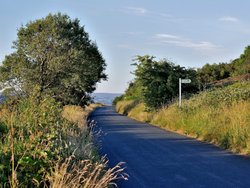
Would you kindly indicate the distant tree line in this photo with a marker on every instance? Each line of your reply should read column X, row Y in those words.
column 156, row 82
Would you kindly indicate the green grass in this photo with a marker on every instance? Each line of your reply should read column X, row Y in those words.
column 220, row 116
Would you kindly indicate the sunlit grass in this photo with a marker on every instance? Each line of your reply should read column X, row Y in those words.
column 221, row 116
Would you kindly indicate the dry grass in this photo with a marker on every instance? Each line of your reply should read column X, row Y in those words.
column 85, row 174
column 136, row 112
column 124, row 107
column 74, row 114
column 77, row 114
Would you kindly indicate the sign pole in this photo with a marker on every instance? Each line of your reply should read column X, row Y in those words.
column 179, row 92
column 182, row 81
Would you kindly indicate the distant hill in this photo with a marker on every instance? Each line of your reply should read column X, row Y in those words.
column 105, row 98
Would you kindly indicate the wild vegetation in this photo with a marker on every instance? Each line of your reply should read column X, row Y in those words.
column 156, row 82
column 220, row 116
column 45, row 140
column 216, row 110
column 45, row 146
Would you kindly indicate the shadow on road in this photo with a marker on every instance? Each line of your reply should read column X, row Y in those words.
column 159, row 158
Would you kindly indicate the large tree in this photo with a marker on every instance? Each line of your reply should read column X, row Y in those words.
column 55, row 56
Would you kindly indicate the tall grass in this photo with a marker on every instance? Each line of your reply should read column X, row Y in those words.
column 126, row 106
column 134, row 109
column 84, row 173
column 43, row 145
column 220, row 116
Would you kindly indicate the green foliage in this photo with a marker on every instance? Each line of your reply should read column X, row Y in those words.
column 54, row 63
column 3, row 131
column 56, row 55
column 117, row 99
column 34, row 136
column 134, row 90
column 210, row 73
column 32, row 131
column 158, row 81
column 213, row 72
column 227, row 96
column 242, row 64
column 43, row 145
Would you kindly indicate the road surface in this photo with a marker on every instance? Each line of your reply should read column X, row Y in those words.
column 158, row 158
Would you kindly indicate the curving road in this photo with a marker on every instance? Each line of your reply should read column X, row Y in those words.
column 158, row 158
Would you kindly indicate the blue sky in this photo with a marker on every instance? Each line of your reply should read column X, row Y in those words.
column 187, row 32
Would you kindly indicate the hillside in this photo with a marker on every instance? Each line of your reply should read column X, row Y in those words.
column 231, row 80
column 219, row 116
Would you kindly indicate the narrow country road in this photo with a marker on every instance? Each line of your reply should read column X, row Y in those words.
column 158, row 158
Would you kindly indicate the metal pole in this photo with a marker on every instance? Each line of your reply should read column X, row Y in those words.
column 179, row 92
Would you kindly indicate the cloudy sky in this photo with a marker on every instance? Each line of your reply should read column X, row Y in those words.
column 187, row 32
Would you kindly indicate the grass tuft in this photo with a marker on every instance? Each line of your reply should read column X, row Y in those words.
column 84, row 173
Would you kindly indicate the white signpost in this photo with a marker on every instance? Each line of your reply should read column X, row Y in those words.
column 182, row 81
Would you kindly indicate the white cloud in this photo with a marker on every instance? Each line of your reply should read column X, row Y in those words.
column 228, row 19
column 141, row 11
column 167, row 36
column 185, row 42
column 136, row 10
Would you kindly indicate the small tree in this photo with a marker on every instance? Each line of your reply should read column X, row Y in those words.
column 55, row 55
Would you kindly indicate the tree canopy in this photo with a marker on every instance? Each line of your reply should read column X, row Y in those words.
column 159, row 80
column 55, row 56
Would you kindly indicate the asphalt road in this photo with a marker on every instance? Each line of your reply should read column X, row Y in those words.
column 158, row 158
